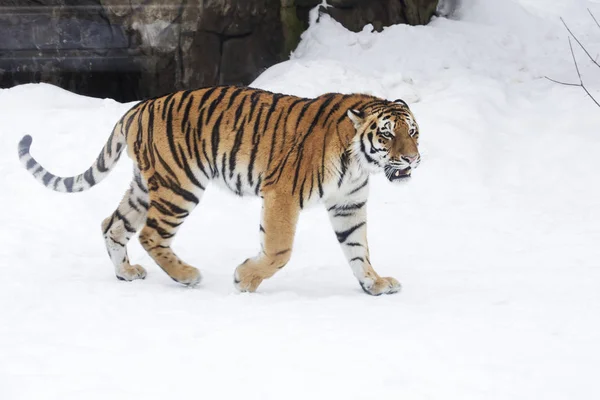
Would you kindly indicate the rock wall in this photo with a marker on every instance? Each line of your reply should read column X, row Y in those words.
column 139, row 48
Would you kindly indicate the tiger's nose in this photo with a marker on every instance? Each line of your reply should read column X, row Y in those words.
column 411, row 159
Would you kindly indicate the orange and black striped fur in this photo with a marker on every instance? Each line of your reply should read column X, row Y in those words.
column 290, row 151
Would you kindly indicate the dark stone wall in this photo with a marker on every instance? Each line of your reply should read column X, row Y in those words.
column 135, row 49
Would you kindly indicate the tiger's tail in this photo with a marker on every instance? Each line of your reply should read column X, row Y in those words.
column 106, row 160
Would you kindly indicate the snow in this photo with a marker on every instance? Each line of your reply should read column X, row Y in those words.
column 495, row 238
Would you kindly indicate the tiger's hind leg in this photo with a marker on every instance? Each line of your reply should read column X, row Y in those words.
column 277, row 229
column 169, row 205
column 122, row 225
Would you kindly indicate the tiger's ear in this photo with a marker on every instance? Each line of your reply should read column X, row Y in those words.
column 356, row 116
column 400, row 101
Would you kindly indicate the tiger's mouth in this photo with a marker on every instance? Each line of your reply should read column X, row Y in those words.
column 397, row 174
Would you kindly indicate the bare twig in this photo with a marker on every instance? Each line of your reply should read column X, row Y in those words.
column 579, row 74
column 595, row 20
column 579, row 43
column 562, row 83
column 580, row 84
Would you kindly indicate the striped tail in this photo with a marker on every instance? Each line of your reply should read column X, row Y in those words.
column 97, row 172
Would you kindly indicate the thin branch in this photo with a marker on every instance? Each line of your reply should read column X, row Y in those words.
column 595, row 20
column 575, row 60
column 579, row 43
column 579, row 73
column 562, row 83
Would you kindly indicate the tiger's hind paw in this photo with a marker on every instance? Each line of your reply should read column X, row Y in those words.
column 186, row 275
column 130, row 273
column 245, row 281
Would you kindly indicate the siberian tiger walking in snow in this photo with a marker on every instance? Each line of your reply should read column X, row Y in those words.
column 290, row 151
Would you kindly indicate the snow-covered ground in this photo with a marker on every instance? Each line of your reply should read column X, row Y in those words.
column 496, row 238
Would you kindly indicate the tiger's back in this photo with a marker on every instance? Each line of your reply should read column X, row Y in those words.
column 288, row 150
column 247, row 140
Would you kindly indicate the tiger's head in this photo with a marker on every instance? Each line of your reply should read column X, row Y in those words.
column 387, row 138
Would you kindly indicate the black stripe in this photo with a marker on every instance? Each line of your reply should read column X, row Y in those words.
column 238, row 112
column 274, row 100
column 360, row 187
column 69, row 184
column 184, row 95
column 357, row 259
column 258, row 182
column 364, row 151
column 234, row 150
column 351, row 206
column 290, row 110
column 46, row 179
column 126, row 222
column 301, row 193
column 253, row 102
column 126, row 125
column 238, row 185
column 305, row 108
column 170, row 136
column 274, row 139
column 373, row 148
column 143, row 203
column 153, row 223
column 172, row 208
column 216, row 102
column 354, row 244
column 198, row 159
column 234, row 95
column 116, row 242
column 165, row 104
column 344, row 161
column 320, row 185
column 255, row 143
column 150, row 138
column 206, row 95
column 165, row 165
column 132, row 205
column 140, row 183
column 171, row 224
column 101, row 163
column 298, row 165
column 185, row 194
column 214, row 140
column 31, row 163
column 186, row 112
column 342, row 236
column 188, row 171
column 212, row 172
column 335, row 107
column 89, row 177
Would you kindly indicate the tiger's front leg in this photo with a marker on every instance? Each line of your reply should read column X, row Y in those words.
column 277, row 229
column 349, row 220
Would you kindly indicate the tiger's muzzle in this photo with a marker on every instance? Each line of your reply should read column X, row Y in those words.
column 395, row 174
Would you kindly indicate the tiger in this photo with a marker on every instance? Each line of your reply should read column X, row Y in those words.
column 292, row 152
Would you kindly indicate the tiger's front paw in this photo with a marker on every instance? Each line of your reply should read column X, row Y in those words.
column 245, row 280
column 382, row 286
